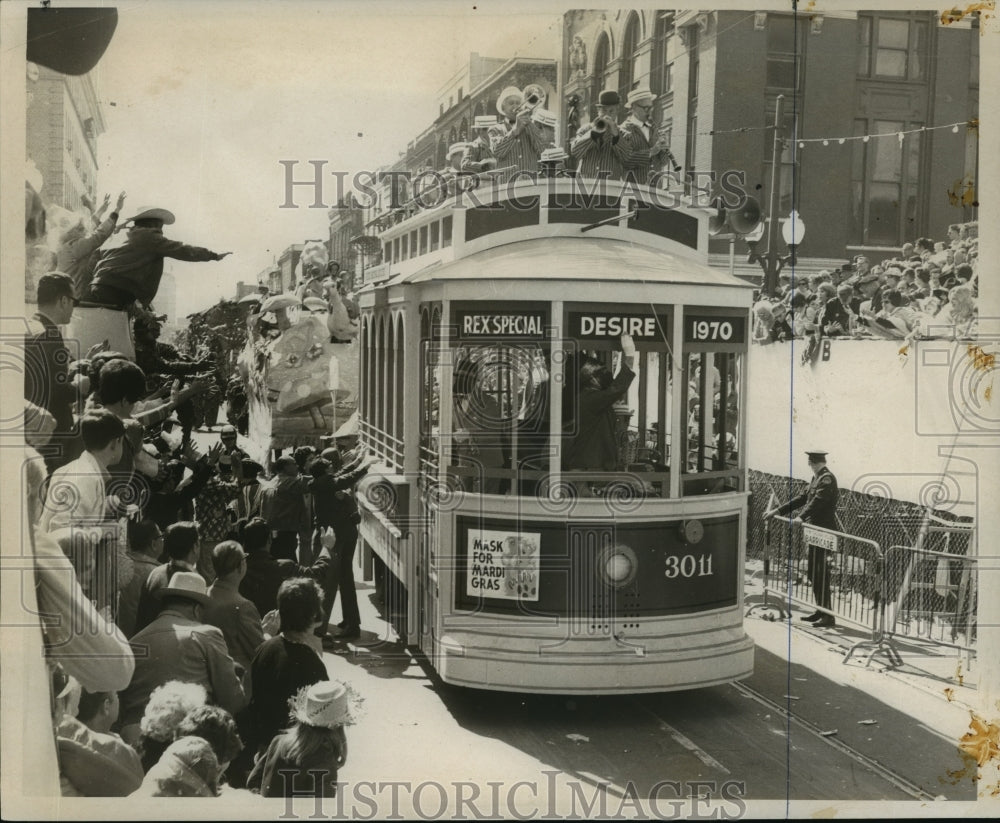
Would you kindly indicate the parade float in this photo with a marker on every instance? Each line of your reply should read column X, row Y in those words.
column 300, row 364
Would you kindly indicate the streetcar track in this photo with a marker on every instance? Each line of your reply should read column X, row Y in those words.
column 873, row 765
column 684, row 741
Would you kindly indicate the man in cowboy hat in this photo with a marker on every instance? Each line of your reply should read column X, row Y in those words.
column 599, row 151
column 179, row 645
column 522, row 143
column 644, row 148
column 818, row 504
column 132, row 271
column 479, row 155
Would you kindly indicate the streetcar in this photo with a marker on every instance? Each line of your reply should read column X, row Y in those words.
column 508, row 566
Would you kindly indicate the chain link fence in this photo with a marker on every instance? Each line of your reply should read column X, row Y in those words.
column 926, row 585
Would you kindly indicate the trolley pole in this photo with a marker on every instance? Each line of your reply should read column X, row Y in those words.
column 772, row 262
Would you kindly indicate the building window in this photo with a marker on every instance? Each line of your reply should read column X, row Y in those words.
column 789, row 180
column 974, row 54
column 661, row 73
column 785, row 47
column 627, row 74
column 885, row 175
column 893, row 47
column 601, row 54
column 691, row 143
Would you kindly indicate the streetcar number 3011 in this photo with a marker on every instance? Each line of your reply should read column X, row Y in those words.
column 712, row 330
column 688, row 565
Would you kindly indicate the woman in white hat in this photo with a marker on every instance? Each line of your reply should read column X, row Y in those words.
column 304, row 760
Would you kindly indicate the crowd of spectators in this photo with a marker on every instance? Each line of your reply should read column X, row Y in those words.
column 178, row 636
column 930, row 289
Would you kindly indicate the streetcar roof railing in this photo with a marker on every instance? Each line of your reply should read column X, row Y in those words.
column 489, row 216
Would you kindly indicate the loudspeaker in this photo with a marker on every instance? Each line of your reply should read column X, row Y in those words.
column 745, row 219
column 719, row 221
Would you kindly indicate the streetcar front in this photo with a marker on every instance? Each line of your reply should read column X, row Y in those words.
column 558, row 406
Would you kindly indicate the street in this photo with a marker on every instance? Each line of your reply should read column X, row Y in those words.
column 789, row 733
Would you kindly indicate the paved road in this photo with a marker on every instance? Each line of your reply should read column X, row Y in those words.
column 787, row 734
column 723, row 742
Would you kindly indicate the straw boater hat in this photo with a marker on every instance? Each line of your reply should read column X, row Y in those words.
column 553, row 155
column 507, row 93
column 544, row 117
column 636, row 95
column 484, row 121
column 153, row 213
column 456, row 148
column 326, row 705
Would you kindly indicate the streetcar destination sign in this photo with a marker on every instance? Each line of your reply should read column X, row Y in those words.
column 508, row 324
column 714, row 329
column 601, row 326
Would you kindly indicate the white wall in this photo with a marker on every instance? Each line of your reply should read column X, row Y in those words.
column 888, row 416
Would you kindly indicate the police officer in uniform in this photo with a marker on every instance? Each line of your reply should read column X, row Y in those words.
column 819, row 508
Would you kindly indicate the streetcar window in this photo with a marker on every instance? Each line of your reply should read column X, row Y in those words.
column 388, row 252
column 711, row 462
column 430, row 364
column 500, row 417
column 413, row 243
column 423, row 239
column 446, row 232
column 435, row 235
column 406, row 247
column 616, row 416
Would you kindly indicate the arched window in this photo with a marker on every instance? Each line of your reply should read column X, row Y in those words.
column 602, row 53
column 464, row 133
column 628, row 78
column 364, row 401
column 400, row 339
column 389, row 377
column 661, row 71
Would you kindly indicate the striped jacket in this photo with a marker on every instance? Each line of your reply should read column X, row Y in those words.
column 599, row 154
column 636, row 149
column 519, row 150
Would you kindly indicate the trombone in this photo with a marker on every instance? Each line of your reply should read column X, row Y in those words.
column 533, row 97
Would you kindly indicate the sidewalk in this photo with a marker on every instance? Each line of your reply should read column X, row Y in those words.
column 933, row 685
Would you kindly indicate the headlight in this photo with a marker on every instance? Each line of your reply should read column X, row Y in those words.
column 618, row 565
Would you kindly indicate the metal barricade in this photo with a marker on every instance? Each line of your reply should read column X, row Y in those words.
column 932, row 596
column 855, row 569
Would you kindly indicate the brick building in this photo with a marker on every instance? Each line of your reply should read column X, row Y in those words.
column 64, row 121
column 843, row 74
column 484, row 78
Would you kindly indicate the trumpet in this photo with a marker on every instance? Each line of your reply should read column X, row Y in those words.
column 599, row 125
